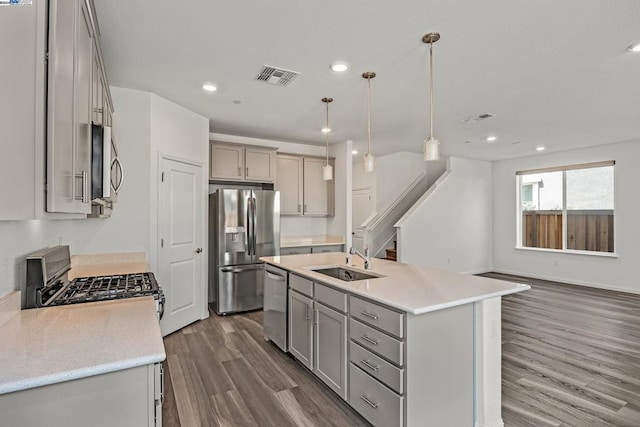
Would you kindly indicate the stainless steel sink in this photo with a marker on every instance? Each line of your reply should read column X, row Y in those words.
column 345, row 274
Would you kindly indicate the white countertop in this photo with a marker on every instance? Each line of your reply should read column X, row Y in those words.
column 407, row 287
column 297, row 241
column 50, row 345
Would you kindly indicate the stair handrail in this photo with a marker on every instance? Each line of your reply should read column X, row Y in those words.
column 377, row 219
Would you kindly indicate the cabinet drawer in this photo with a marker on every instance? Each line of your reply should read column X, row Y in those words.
column 328, row 248
column 375, row 402
column 295, row 251
column 376, row 315
column 331, row 297
column 378, row 342
column 300, row 284
column 377, row 367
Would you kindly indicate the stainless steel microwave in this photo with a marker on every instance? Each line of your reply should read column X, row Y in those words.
column 107, row 174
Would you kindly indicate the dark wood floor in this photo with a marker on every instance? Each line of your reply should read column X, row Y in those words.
column 221, row 372
column 571, row 357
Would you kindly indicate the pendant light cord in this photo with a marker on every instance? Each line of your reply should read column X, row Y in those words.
column 369, row 113
column 431, row 88
column 327, row 134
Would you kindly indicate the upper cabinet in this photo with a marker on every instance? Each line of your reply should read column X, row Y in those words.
column 302, row 189
column 230, row 162
column 70, row 107
column 47, row 107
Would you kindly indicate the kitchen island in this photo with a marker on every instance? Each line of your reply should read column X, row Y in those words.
column 410, row 346
column 95, row 363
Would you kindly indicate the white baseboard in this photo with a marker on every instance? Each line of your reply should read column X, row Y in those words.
column 496, row 424
column 569, row 281
column 479, row 271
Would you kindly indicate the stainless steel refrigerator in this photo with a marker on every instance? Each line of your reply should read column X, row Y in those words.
column 244, row 225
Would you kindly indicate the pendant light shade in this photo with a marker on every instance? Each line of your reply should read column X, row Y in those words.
column 431, row 146
column 369, row 161
column 327, row 169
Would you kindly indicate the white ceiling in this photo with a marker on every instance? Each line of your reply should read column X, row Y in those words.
column 554, row 73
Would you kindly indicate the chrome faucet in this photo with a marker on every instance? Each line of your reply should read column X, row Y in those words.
column 365, row 257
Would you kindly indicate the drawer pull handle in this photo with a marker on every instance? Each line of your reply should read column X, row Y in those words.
column 369, row 315
column 369, row 365
column 370, row 340
column 369, row 402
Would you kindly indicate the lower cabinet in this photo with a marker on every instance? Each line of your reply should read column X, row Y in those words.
column 331, row 348
column 131, row 397
column 301, row 328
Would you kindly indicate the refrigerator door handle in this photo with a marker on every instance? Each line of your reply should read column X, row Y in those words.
column 253, row 226
column 249, row 233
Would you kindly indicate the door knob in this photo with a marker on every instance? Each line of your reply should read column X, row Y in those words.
column 198, row 250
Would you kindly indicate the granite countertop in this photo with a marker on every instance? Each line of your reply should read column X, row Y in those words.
column 409, row 288
column 297, row 241
column 50, row 345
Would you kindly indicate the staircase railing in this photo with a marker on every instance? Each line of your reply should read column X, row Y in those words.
column 379, row 231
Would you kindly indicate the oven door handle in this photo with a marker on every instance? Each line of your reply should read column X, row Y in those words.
column 162, row 301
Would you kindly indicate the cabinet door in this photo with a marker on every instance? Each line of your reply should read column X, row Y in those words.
column 260, row 165
column 331, row 348
column 227, row 162
column 83, row 107
column 289, row 183
column 301, row 328
column 316, row 190
column 69, row 107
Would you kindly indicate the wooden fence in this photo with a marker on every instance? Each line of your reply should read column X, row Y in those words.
column 587, row 230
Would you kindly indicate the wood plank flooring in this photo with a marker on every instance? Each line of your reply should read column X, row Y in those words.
column 571, row 356
column 221, row 372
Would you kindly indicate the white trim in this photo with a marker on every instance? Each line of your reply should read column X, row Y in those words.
column 478, row 271
column 568, row 281
column 570, row 252
column 497, row 424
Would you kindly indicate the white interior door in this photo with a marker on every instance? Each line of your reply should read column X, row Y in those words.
column 181, row 234
column 362, row 209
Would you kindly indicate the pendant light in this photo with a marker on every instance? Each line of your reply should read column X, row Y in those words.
column 369, row 161
column 431, row 146
column 327, row 170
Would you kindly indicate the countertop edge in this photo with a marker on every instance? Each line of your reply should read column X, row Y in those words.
column 60, row 377
column 414, row 311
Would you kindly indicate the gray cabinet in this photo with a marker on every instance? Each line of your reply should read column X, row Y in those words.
column 231, row 162
column 330, row 336
column 301, row 328
column 130, row 397
column 69, row 107
column 302, row 189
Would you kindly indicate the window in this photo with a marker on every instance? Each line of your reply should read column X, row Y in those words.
column 567, row 208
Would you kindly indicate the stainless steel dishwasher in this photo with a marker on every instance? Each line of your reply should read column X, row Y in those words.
column 275, row 306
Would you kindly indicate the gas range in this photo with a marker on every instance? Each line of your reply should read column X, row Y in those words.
column 47, row 283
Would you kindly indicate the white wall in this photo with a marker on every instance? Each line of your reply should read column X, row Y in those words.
column 451, row 228
column 289, row 225
column 126, row 231
column 607, row 272
column 394, row 172
column 340, row 223
column 180, row 134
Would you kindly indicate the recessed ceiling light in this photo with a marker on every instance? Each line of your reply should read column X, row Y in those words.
column 340, row 67
column 326, row 130
column 354, row 152
column 539, row 148
column 634, row 47
column 491, row 138
column 209, row 87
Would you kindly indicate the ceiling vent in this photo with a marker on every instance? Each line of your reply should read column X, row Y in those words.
column 477, row 118
column 276, row 76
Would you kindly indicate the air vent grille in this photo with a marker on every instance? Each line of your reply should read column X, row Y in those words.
column 276, row 76
column 477, row 118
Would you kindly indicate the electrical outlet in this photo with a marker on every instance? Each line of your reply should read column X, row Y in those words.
column 448, row 260
column 556, row 263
